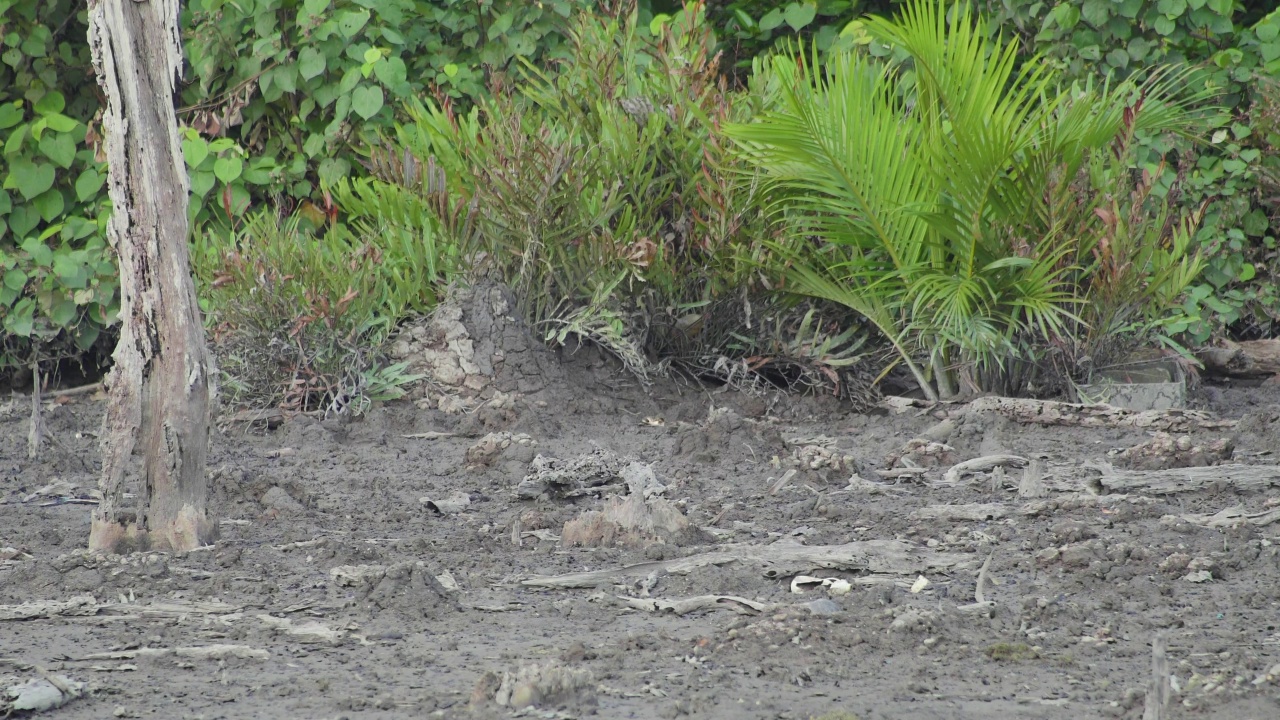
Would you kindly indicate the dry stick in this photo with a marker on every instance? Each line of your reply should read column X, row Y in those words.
column 82, row 390
column 978, row 593
column 1032, row 485
column 1160, row 691
column 36, row 436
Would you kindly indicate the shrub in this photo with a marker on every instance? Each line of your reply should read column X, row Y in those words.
column 57, row 276
column 303, row 85
column 605, row 198
column 299, row 321
column 961, row 216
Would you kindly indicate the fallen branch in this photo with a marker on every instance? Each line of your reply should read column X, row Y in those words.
column 879, row 556
column 86, row 605
column 203, row 652
column 1243, row 478
column 982, row 464
column 1233, row 516
column 701, row 602
column 972, row 512
column 1248, row 359
column 1049, row 412
column 79, row 605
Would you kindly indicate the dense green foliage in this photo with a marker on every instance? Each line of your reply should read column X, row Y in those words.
column 287, row 98
column 971, row 217
column 299, row 320
column 604, row 196
column 303, row 87
column 58, row 290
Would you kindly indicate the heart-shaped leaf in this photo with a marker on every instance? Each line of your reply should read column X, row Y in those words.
column 10, row 114
column 88, row 184
column 227, row 169
column 367, row 101
column 195, row 150
column 311, row 63
column 798, row 16
column 59, row 148
column 30, row 178
column 49, row 204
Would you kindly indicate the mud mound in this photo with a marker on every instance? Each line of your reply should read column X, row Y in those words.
column 472, row 347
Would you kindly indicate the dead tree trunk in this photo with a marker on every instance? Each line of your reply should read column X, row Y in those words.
column 160, row 386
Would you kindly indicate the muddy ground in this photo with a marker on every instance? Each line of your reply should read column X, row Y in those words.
column 440, row 622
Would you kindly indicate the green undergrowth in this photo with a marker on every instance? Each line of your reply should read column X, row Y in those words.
column 981, row 213
column 299, row 320
column 601, row 191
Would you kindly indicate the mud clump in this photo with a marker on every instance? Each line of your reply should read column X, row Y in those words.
column 725, row 430
column 633, row 522
column 596, row 472
column 473, row 345
column 404, row 588
column 1164, row 452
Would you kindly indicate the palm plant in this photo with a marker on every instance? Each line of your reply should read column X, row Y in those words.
column 939, row 195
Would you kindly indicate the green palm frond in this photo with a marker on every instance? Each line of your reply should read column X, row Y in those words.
column 938, row 194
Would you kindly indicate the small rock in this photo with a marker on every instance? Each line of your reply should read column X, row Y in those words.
column 823, row 606
column 278, row 499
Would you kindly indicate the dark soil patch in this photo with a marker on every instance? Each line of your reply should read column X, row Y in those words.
column 1079, row 590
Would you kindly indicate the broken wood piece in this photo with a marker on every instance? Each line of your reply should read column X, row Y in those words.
column 306, row 632
column 169, row 609
column 1050, row 412
column 702, row 602
column 1243, row 478
column 979, row 594
column 1248, row 359
column 902, row 472
column 80, row 605
column 782, row 481
column 1233, row 516
column 1160, row 690
column 970, row 512
column 1032, row 485
column 202, row 652
column 892, row 557
column 985, row 463
column 429, row 435
column 985, row 607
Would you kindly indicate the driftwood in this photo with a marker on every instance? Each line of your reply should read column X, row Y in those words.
column 1167, row 482
column 1049, row 412
column 778, row 560
column 693, row 604
column 982, row 464
column 203, row 652
column 1233, row 516
column 974, row 512
column 86, row 605
column 1249, row 359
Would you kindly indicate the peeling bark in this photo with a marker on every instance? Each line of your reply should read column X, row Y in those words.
column 161, row 384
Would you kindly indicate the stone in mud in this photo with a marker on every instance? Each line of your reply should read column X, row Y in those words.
column 1164, row 451
column 278, row 499
column 405, row 588
column 633, row 522
column 543, row 685
column 554, row 477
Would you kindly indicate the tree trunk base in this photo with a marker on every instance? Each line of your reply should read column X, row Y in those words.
column 187, row 531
